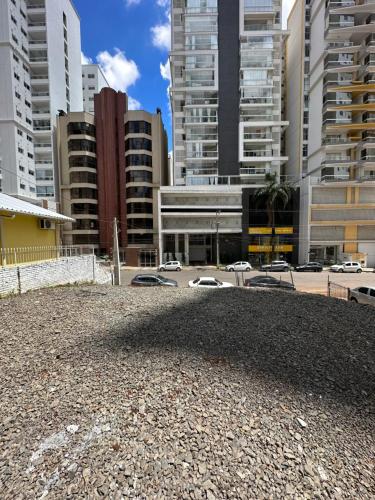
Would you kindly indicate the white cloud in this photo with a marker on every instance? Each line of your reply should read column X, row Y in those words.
column 133, row 103
column 129, row 3
column 161, row 36
column 119, row 71
column 165, row 70
column 85, row 59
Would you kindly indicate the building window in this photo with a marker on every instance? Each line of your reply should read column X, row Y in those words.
column 140, row 239
column 79, row 193
column 17, row 94
column 138, row 127
column 83, row 177
column 15, row 58
column 139, row 192
column 81, row 145
column 139, row 160
column 140, row 224
column 19, row 132
column 78, row 128
column 139, row 176
column 47, row 191
column 22, row 186
column 90, row 75
column 138, row 143
column 140, row 208
column 82, row 161
column 84, row 208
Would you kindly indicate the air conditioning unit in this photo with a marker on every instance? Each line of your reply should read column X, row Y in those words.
column 46, row 224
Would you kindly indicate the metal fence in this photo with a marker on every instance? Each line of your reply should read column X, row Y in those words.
column 337, row 291
column 27, row 255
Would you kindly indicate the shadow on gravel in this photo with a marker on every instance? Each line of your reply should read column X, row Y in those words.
column 318, row 345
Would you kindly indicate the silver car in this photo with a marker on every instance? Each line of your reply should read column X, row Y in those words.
column 363, row 295
column 171, row 265
column 239, row 266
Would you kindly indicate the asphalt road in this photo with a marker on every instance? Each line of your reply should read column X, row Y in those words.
column 304, row 282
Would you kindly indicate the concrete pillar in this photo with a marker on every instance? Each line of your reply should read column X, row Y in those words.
column 186, row 248
column 176, row 245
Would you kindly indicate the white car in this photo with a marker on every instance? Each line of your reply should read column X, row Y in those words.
column 206, row 282
column 363, row 295
column 239, row 266
column 346, row 267
column 171, row 265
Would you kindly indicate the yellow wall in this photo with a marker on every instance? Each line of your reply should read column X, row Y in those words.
column 24, row 231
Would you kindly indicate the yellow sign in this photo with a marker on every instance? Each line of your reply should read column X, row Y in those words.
column 283, row 230
column 260, row 230
column 283, row 248
column 259, row 248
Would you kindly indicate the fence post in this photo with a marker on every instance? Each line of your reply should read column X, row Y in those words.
column 19, row 280
column 328, row 288
column 93, row 267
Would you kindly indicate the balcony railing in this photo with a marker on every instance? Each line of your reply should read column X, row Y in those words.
column 259, row 153
column 254, row 171
column 202, row 154
column 335, row 140
column 259, row 26
column 40, row 94
column 339, row 5
column 251, row 136
column 335, row 178
column 37, row 24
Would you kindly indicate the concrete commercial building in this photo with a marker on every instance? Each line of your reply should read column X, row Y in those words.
column 93, row 80
column 338, row 189
column 112, row 165
column 226, row 97
column 40, row 52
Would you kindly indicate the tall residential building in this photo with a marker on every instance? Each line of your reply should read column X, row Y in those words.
column 40, row 52
column 93, row 80
column 226, row 96
column 112, row 165
column 226, row 89
column 338, row 189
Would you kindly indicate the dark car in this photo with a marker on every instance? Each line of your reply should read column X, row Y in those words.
column 269, row 282
column 312, row 267
column 152, row 280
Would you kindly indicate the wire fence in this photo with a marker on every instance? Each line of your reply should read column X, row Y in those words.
column 26, row 255
column 337, row 291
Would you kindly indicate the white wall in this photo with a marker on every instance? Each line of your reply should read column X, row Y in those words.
column 71, row 270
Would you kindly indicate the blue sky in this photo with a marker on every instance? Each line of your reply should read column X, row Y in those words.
column 130, row 40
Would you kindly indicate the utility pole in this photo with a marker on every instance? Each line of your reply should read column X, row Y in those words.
column 116, row 255
column 217, row 224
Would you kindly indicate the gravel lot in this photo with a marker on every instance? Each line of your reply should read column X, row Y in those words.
column 159, row 393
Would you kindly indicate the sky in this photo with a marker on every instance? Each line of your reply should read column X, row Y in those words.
column 130, row 40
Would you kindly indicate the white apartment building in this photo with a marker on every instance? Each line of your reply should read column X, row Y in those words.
column 226, row 90
column 17, row 167
column 40, row 49
column 338, row 191
column 93, row 80
column 226, row 97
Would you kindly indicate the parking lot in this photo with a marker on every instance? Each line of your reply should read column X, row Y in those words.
column 304, row 282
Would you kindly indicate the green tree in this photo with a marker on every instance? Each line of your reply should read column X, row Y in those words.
column 272, row 196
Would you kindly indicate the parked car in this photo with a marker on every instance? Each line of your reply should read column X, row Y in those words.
column 268, row 282
column 239, row 266
column 363, row 295
column 171, row 265
column 346, row 267
column 313, row 267
column 206, row 282
column 152, row 280
column 276, row 265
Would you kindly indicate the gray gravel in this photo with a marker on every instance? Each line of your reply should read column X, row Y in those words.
column 124, row 393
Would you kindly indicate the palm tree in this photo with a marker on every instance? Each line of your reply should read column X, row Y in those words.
column 273, row 195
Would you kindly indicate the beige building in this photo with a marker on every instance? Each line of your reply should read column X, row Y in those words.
column 338, row 186
column 113, row 171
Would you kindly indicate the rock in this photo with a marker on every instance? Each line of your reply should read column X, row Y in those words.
column 301, row 422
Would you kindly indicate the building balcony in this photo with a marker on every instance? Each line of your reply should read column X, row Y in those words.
column 351, row 7
column 254, row 172
column 260, row 153
column 36, row 27
column 39, row 79
column 202, row 155
column 257, row 137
